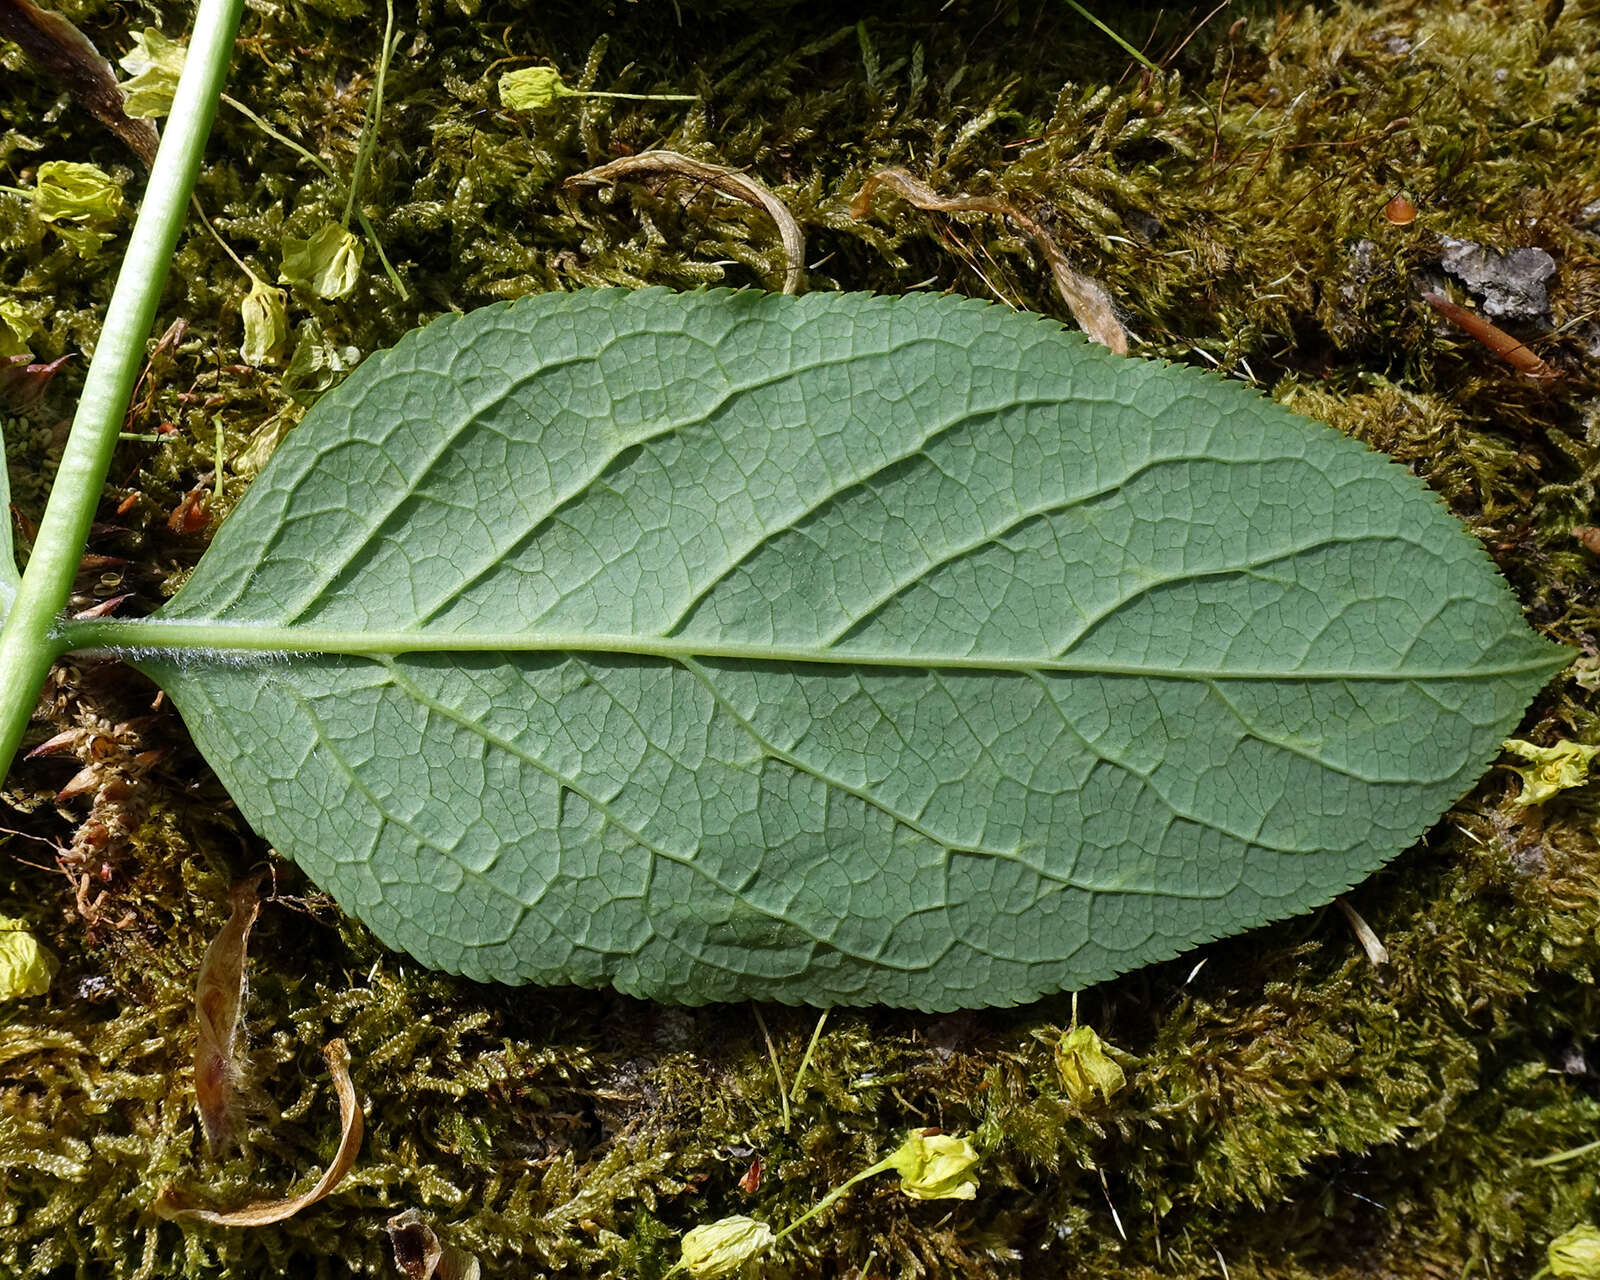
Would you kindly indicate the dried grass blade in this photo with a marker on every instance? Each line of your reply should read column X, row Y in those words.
column 174, row 1204
column 727, row 181
column 1084, row 296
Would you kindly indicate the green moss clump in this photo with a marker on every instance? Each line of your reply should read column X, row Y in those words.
column 1291, row 1111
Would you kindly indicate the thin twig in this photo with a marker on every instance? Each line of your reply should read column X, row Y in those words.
column 1513, row 351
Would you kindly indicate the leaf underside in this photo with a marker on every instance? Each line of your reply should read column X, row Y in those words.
column 831, row 650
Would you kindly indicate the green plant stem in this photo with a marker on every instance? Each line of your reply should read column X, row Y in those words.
column 285, row 140
column 222, row 244
column 1123, row 44
column 29, row 642
column 833, row 1197
column 1561, row 1157
column 369, row 126
column 777, row 1067
column 805, row 1058
column 369, row 140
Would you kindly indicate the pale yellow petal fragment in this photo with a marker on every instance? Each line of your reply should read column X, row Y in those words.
column 328, row 263
column 265, row 312
column 16, row 327
column 1575, row 1254
column 66, row 191
column 936, row 1166
column 1551, row 770
column 720, row 1248
column 533, row 89
column 153, row 65
column 26, row 967
column 1086, row 1068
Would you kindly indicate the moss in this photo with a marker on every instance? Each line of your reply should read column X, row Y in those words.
column 1290, row 1110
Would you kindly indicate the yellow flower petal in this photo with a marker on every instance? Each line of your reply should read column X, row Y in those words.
column 329, row 263
column 721, row 1248
column 25, row 966
column 265, row 314
column 153, row 65
column 1551, row 770
column 936, row 1167
column 67, row 191
column 1575, row 1254
column 1086, row 1068
column 533, row 89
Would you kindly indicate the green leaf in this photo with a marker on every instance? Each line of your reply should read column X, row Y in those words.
column 836, row 649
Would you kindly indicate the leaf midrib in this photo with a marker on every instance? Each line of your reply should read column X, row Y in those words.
column 150, row 637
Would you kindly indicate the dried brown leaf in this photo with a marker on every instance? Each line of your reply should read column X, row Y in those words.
column 86, row 780
column 727, row 181
column 67, row 56
column 175, row 1204
column 218, row 998
column 1084, row 296
column 22, row 382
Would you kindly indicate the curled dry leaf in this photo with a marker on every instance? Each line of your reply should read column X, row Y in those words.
column 22, row 382
column 1512, row 350
column 68, row 57
column 1084, row 297
column 218, row 999
column 725, row 180
column 175, row 1204
column 420, row 1255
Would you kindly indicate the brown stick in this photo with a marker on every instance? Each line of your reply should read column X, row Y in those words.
column 1513, row 351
